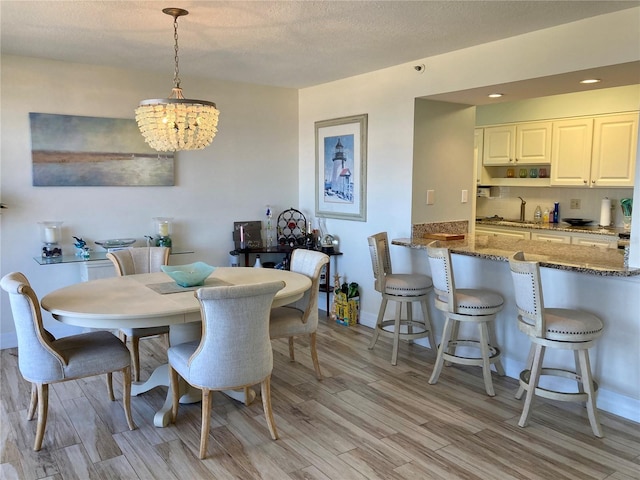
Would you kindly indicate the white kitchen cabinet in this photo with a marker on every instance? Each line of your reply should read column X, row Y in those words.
column 595, row 152
column 571, row 152
column 478, row 142
column 551, row 237
column 595, row 240
column 504, row 232
column 615, row 143
column 517, row 144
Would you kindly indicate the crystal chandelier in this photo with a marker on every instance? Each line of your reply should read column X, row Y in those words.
column 177, row 123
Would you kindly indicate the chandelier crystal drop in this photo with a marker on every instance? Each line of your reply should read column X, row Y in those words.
column 177, row 123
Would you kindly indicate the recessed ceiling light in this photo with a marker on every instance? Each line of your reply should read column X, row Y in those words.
column 495, row 95
column 590, row 80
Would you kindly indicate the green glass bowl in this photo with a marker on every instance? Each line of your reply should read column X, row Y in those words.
column 190, row 275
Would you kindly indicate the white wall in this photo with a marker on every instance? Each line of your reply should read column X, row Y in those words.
column 388, row 96
column 252, row 162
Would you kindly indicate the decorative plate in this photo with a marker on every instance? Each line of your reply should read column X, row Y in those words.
column 577, row 222
column 190, row 275
column 116, row 242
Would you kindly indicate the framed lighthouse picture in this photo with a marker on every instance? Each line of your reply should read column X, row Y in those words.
column 341, row 168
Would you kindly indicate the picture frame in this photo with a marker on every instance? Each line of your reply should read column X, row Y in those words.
column 341, row 168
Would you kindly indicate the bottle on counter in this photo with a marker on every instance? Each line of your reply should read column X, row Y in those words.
column 545, row 216
column 537, row 215
column 556, row 212
column 258, row 263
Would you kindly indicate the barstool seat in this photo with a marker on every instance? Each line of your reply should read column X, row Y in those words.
column 557, row 328
column 464, row 305
column 403, row 288
column 407, row 285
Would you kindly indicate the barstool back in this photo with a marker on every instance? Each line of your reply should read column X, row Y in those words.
column 380, row 258
column 442, row 275
column 528, row 295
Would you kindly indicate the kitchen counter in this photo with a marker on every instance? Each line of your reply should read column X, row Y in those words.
column 553, row 227
column 576, row 258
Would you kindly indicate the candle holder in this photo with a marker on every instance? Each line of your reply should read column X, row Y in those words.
column 163, row 231
column 50, row 235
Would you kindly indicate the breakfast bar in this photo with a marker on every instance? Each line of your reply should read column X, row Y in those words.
column 588, row 278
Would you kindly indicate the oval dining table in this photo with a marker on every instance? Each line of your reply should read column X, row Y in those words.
column 154, row 299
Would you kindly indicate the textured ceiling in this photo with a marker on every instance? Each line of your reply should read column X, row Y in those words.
column 281, row 43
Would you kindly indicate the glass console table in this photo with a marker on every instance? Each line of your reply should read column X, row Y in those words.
column 93, row 256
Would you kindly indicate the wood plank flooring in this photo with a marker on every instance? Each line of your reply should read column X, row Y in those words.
column 365, row 420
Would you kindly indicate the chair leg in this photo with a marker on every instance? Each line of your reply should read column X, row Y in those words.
column 410, row 319
column 314, row 355
column 33, row 403
column 206, row 416
column 486, row 364
column 175, row 393
column 534, row 377
column 383, row 307
column 494, row 342
column 587, row 382
column 126, row 397
column 135, row 357
column 396, row 334
column 427, row 322
column 529, row 363
column 292, row 355
column 43, row 407
column 265, row 391
column 451, row 350
column 110, row 386
column 444, row 344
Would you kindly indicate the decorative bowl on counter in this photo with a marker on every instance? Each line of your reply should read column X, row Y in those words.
column 577, row 222
column 116, row 242
column 190, row 275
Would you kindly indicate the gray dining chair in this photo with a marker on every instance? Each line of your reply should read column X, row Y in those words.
column 44, row 360
column 131, row 261
column 301, row 317
column 234, row 351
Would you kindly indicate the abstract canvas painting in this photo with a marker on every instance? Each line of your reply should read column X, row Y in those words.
column 70, row 150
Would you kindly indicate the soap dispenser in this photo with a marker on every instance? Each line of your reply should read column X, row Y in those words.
column 537, row 215
column 258, row 263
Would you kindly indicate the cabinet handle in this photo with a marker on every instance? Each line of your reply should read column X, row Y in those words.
column 593, row 181
column 584, row 181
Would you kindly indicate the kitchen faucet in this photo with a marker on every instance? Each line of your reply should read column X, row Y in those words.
column 522, row 205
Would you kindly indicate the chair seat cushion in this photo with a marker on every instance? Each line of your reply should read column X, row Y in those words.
column 287, row 322
column 179, row 355
column 568, row 325
column 407, row 284
column 91, row 353
column 471, row 301
column 145, row 332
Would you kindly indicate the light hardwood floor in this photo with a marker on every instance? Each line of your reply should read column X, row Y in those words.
column 365, row 420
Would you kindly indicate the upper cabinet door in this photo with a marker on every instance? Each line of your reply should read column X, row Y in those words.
column 615, row 144
column 499, row 145
column 571, row 152
column 518, row 144
column 533, row 143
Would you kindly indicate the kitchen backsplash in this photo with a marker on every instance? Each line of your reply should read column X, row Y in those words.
column 505, row 202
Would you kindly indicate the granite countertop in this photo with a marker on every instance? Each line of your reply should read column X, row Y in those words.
column 577, row 258
column 553, row 227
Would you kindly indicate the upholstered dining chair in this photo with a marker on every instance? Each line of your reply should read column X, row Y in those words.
column 464, row 305
column 301, row 317
column 234, row 351
column 555, row 328
column 402, row 288
column 43, row 360
column 130, row 261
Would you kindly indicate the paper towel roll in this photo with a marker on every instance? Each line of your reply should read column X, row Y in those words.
column 605, row 212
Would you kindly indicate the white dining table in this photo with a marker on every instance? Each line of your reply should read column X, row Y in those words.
column 154, row 299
